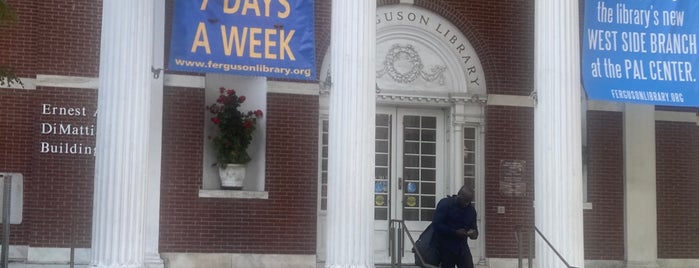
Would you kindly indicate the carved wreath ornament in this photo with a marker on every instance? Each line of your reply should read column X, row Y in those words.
column 404, row 65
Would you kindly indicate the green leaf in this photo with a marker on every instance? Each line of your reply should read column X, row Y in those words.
column 7, row 14
column 8, row 17
column 8, row 77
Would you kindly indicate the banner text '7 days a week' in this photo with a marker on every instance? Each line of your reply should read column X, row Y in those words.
column 272, row 38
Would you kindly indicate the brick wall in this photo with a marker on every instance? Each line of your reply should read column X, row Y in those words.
column 509, row 136
column 57, row 186
column 58, row 189
column 604, row 223
column 16, row 140
column 53, row 37
column 283, row 224
column 677, row 156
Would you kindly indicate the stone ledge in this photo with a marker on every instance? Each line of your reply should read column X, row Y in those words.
column 235, row 194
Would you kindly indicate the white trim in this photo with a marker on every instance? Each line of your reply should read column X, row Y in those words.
column 171, row 80
column 37, row 255
column 45, row 80
column 597, row 105
column 293, row 88
column 679, row 263
column 63, row 81
column 178, row 80
column 233, row 194
column 593, row 105
column 17, row 253
column 481, row 247
column 29, row 84
column 675, row 116
column 526, row 101
column 510, row 100
column 410, row 2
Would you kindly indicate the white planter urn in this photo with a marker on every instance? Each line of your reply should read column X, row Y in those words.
column 232, row 176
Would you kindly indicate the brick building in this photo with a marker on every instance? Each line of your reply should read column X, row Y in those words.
column 454, row 81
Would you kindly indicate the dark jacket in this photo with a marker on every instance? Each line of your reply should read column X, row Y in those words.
column 448, row 218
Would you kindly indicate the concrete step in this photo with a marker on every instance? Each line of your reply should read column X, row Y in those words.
column 388, row 265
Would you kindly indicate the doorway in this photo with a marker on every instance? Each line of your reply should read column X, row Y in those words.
column 418, row 161
column 409, row 178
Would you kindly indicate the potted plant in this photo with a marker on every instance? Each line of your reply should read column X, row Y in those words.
column 233, row 134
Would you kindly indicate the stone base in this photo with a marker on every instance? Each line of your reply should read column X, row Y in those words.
column 189, row 260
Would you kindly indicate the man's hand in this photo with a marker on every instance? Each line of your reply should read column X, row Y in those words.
column 473, row 234
column 462, row 233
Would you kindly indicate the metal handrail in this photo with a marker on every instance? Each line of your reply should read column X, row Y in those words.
column 517, row 232
column 6, row 207
column 404, row 230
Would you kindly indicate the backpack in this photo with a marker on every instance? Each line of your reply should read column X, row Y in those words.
column 424, row 245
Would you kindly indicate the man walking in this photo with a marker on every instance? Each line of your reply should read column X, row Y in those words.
column 454, row 222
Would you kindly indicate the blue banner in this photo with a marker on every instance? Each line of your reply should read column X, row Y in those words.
column 272, row 38
column 641, row 51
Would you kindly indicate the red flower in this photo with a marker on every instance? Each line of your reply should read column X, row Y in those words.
column 235, row 127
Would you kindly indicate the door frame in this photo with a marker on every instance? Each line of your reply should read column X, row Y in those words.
column 381, row 227
column 461, row 112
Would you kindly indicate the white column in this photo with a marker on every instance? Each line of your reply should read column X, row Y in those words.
column 351, row 140
column 123, row 104
column 639, row 186
column 557, row 133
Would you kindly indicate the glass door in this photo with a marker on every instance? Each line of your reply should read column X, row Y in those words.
column 409, row 176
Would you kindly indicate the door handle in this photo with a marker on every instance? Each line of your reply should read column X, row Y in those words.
column 400, row 183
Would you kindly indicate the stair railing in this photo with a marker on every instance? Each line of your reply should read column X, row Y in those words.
column 532, row 230
column 6, row 206
column 396, row 243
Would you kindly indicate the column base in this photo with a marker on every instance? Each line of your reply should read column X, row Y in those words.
column 154, row 261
